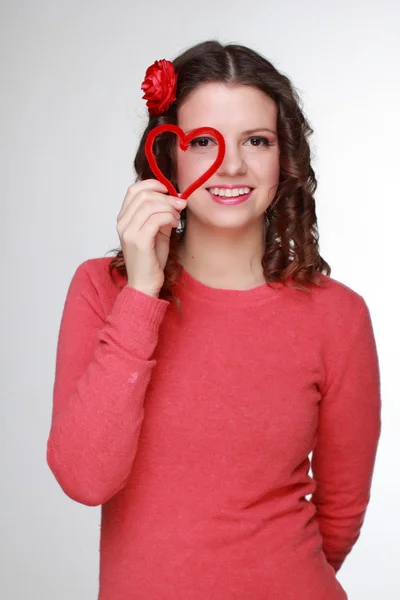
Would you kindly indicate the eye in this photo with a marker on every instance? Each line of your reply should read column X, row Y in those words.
column 260, row 141
column 201, row 142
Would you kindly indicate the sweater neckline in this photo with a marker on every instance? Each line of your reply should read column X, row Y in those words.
column 240, row 298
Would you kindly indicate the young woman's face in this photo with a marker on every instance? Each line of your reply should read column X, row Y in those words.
column 246, row 117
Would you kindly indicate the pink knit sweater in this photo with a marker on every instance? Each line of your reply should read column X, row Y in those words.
column 194, row 435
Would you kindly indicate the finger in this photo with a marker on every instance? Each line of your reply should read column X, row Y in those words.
column 135, row 188
column 140, row 213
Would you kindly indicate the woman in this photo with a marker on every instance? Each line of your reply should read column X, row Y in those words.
column 193, row 429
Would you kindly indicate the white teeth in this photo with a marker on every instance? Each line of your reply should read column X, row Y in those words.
column 229, row 192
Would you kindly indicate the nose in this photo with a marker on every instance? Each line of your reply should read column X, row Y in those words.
column 233, row 163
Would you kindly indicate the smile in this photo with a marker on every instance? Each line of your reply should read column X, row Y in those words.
column 230, row 196
column 230, row 192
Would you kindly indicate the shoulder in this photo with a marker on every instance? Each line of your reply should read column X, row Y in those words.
column 93, row 281
column 346, row 331
column 335, row 298
column 331, row 310
column 97, row 271
column 339, row 313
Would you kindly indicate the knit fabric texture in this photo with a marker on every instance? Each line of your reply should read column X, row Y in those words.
column 197, row 435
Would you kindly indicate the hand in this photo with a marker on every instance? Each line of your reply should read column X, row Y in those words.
column 144, row 224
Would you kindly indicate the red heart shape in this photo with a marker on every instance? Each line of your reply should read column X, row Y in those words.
column 184, row 141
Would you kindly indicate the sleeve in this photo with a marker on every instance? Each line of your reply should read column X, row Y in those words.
column 349, row 429
column 103, row 368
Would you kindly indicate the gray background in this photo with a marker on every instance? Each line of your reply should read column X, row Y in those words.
column 70, row 120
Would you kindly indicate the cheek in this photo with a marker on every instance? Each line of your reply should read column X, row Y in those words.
column 191, row 166
column 185, row 168
column 275, row 168
column 267, row 168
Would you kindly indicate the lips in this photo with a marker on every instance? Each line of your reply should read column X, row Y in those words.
column 231, row 200
column 228, row 187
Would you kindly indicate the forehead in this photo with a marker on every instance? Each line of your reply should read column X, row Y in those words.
column 222, row 105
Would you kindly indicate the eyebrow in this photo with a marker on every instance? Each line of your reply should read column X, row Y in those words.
column 248, row 131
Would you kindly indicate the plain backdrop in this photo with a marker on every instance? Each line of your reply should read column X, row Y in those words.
column 71, row 115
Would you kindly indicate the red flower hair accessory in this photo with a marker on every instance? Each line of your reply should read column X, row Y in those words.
column 159, row 86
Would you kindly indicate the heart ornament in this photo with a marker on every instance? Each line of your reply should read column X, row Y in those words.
column 184, row 143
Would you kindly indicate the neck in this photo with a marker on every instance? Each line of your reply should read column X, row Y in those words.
column 228, row 259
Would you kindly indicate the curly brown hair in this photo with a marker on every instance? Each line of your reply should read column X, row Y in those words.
column 291, row 232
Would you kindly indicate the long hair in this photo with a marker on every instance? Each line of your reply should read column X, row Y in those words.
column 291, row 232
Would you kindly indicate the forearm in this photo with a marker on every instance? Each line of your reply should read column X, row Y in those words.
column 99, row 395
